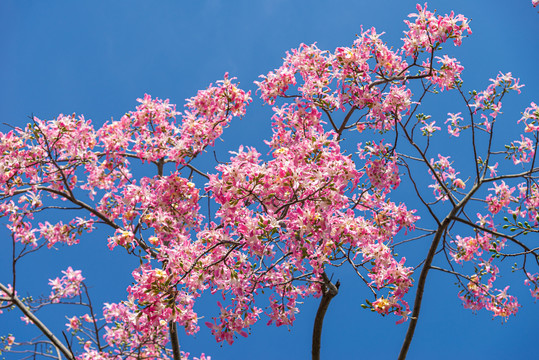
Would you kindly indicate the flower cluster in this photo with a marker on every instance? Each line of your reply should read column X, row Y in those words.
column 448, row 74
column 68, row 286
column 453, row 128
column 134, row 333
column 428, row 128
column 530, row 117
column 489, row 99
column 427, row 32
column 501, row 198
column 471, row 246
column 209, row 112
column 65, row 233
column 478, row 295
column 533, row 280
column 383, row 172
column 445, row 177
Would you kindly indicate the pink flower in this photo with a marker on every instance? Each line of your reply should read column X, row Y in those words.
column 429, row 129
column 382, row 306
column 10, row 340
column 459, row 183
column 73, row 324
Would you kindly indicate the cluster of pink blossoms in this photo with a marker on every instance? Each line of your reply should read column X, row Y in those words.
column 530, row 117
column 478, row 295
column 24, row 232
column 153, row 132
column 75, row 323
column 429, row 31
column 501, row 198
column 62, row 156
column 488, row 99
column 302, row 208
column 533, row 280
column 368, row 62
column 445, row 174
column 383, row 172
column 209, row 112
column 449, row 73
column 68, row 286
column 453, row 128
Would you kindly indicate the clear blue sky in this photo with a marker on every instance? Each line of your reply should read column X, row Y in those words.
column 96, row 57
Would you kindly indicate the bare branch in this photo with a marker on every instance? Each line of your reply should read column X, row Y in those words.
column 30, row 315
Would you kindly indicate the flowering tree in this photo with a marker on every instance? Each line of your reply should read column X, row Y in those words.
column 285, row 223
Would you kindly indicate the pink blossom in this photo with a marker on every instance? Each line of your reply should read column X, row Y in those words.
column 454, row 129
column 10, row 340
column 429, row 129
column 530, row 117
column 534, row 281
column 73, row 324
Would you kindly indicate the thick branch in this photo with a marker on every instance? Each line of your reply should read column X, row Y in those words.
column 30, row 315
column 174, row 342
column 426, row 267
column 329, row 291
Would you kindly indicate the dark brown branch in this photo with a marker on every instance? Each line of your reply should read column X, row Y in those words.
column 345, row 121
column 425, row 271
column 399, row 78
column 329, row 291
column 354, row 266
column 330, row 119
column 160, row 166
column 174, row 342
column 197, row 171
column 92, row 314
column 450, row 272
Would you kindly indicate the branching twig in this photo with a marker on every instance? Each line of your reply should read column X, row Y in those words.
column 30, row 315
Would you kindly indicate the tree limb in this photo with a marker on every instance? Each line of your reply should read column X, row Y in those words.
column 175, row 343
column 30, row 315
column 426, row 267
column 329, row 291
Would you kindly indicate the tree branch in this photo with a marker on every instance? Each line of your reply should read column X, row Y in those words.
column 329, row 291
column 175, row 343
column 426, row 267
column 30, row 315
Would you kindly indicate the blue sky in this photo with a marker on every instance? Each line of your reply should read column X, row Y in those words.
column 96, row 57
